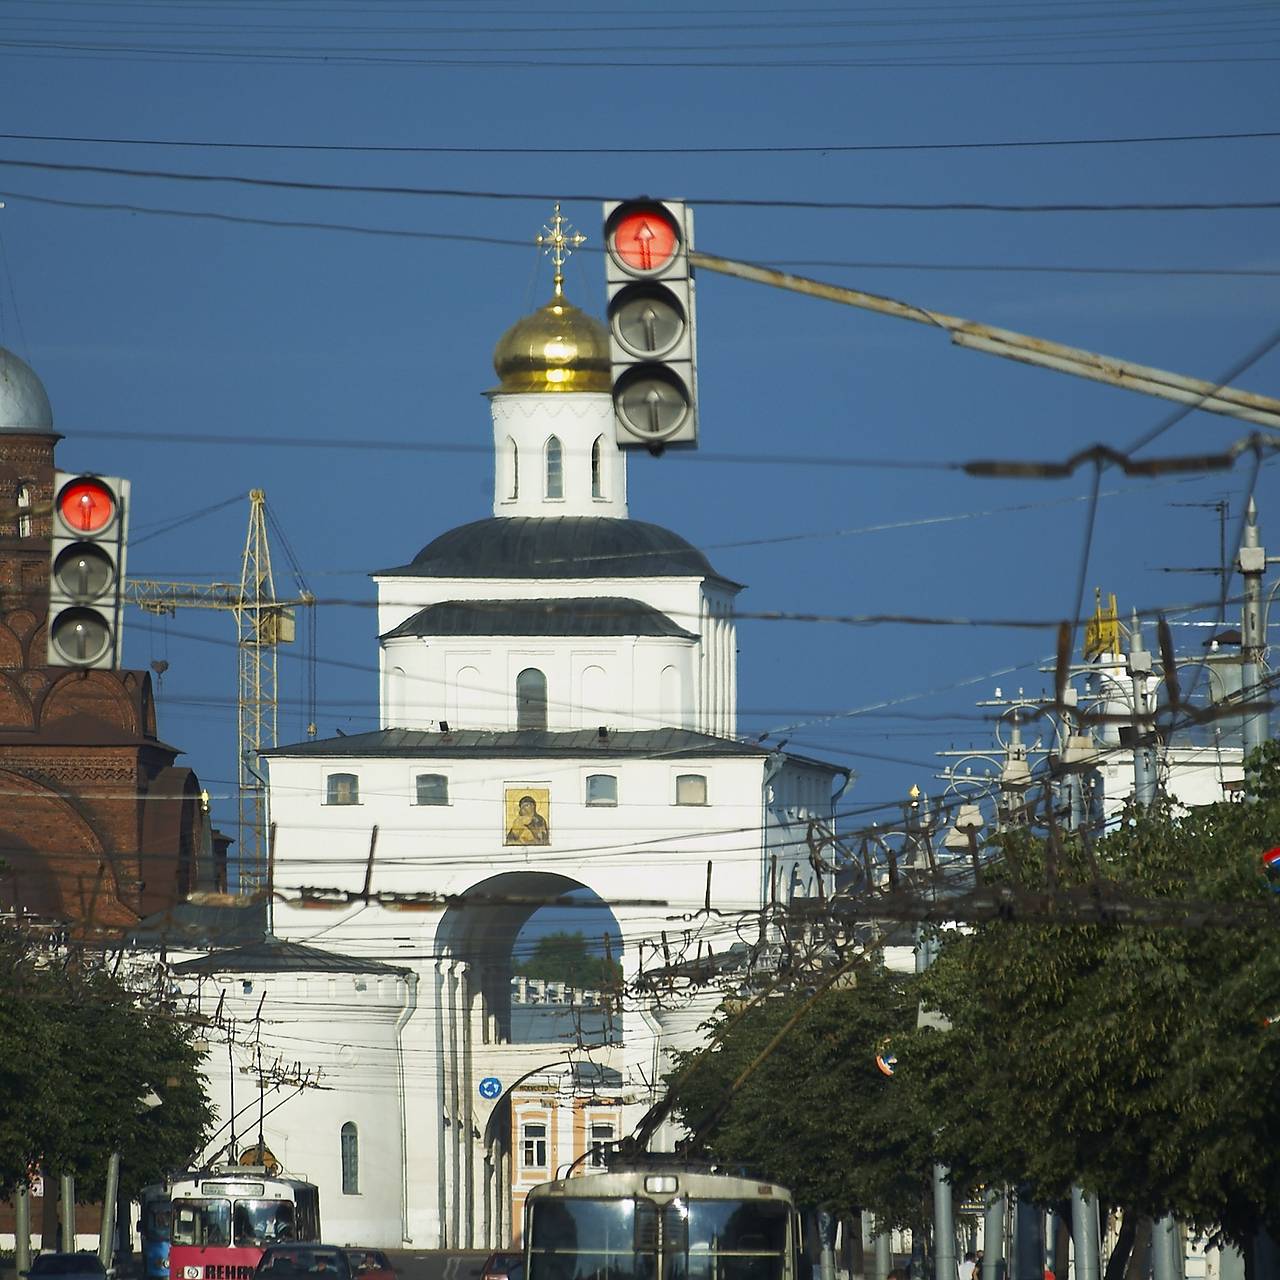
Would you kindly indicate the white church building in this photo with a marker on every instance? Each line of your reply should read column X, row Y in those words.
column 558, row 719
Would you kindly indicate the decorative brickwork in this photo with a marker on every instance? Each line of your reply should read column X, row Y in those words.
column 97, row 824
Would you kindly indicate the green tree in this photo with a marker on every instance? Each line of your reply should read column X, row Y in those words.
column 77, row 1057
column 567, row 957
column 1139, row 1061
column 816, row 1114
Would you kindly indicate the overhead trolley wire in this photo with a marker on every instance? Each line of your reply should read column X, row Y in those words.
column 839, row 148
column 727, row 202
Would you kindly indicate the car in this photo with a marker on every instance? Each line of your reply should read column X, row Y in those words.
column 503, row 1265
column 68, row 1266
column 289, row 1261
column 369, row 1264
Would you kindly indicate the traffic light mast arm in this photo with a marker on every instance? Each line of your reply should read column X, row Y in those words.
column 1263, row 411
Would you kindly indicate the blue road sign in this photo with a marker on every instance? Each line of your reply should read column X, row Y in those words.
column 490, row 1087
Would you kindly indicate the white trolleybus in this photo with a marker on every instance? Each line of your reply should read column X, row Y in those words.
column 223, row 1218
column 661, row 1222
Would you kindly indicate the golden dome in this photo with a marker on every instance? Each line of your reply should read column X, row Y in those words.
column 557, row 348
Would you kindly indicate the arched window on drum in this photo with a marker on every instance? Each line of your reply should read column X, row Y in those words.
column 555, row 468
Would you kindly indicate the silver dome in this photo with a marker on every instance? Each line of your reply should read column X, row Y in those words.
column 24, row 406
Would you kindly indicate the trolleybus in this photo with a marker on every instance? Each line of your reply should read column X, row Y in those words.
column 661, row 1222
column 153, row 1226
column 223, row 1218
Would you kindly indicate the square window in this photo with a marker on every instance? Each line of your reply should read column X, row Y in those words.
column 602, row 789
column 691, row 788
column 342, row 788
column 432, row 788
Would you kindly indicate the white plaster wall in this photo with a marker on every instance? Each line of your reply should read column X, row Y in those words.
column 343, row 1037
column 646, row 846
column 470, row 683
column 577, row 420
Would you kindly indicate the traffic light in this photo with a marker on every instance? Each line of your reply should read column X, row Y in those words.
column 86, row 570
column 651, row 323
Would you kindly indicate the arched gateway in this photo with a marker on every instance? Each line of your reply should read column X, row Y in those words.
column 558, row 712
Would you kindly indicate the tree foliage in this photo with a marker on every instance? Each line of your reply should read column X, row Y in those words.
column 566, row 957
column 817, row 1113
column 77, row 1057
column 1140, row 1062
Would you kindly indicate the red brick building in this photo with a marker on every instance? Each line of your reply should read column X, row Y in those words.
column 98, row 826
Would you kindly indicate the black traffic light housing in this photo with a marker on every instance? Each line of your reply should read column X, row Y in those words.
column 652, row 347
column 86, row 570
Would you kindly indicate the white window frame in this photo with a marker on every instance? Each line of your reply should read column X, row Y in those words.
column 330, row 778
column 691, row 804
column 599, row 804
column 431, row 804
column 530, row 1143
column 546, row 468
column 596, row 1142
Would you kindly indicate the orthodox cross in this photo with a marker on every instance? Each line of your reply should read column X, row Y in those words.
column 559, row 238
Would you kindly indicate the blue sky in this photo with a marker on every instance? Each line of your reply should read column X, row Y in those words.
column 179, row 328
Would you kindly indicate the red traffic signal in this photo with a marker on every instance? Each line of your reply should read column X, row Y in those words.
column 642, row 239
column 651, row 323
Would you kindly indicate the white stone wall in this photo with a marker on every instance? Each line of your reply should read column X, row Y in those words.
column 644, row 682
column 338, row 1033
column 522, row 426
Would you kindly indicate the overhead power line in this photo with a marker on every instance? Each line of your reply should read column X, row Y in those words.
column 842, row 148
column 507, row 242
column 462, row 193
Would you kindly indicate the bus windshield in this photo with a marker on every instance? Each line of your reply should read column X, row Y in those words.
column 727, row 1240
column 580, row 1239
column 263, row 1222
column 202, row 1222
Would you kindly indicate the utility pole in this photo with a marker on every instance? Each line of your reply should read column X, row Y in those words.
column 1144, row 760
column 1084, row 1234
column 1252, row 563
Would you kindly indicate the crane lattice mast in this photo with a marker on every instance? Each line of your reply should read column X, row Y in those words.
column 263, row 622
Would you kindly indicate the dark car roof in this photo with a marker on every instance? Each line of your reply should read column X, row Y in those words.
column 66, row 1264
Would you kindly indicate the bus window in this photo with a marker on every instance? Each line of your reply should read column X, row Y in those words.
column 263, row 1222
column 202, row 1222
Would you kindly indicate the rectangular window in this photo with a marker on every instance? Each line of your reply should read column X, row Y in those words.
column 533, row 1146
column 342, row 788
column 602, row 1135
column 691, row 788
column 602, row 789
column 433, row 788
column 24, row 503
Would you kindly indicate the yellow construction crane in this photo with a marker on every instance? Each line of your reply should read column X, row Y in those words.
column 263, row 622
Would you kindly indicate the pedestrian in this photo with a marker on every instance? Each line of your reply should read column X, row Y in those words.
column 967, row 1267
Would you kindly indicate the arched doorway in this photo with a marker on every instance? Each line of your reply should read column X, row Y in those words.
column 515, row 952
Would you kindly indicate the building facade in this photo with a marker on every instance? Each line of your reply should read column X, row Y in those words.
column 99, row 826
column 558, row 726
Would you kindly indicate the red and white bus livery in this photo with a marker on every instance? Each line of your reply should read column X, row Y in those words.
column 224, row 1218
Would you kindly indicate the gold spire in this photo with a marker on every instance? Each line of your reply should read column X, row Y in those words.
column 558, row 347
column 560, row 246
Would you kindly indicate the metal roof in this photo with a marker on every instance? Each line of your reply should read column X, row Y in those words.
column 523, row 742
column 557, row 547
column 601, row 616
column 673, row 744
column 274, row 955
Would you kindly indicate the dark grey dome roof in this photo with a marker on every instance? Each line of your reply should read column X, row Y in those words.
column 594, row 616
column 565, row 547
